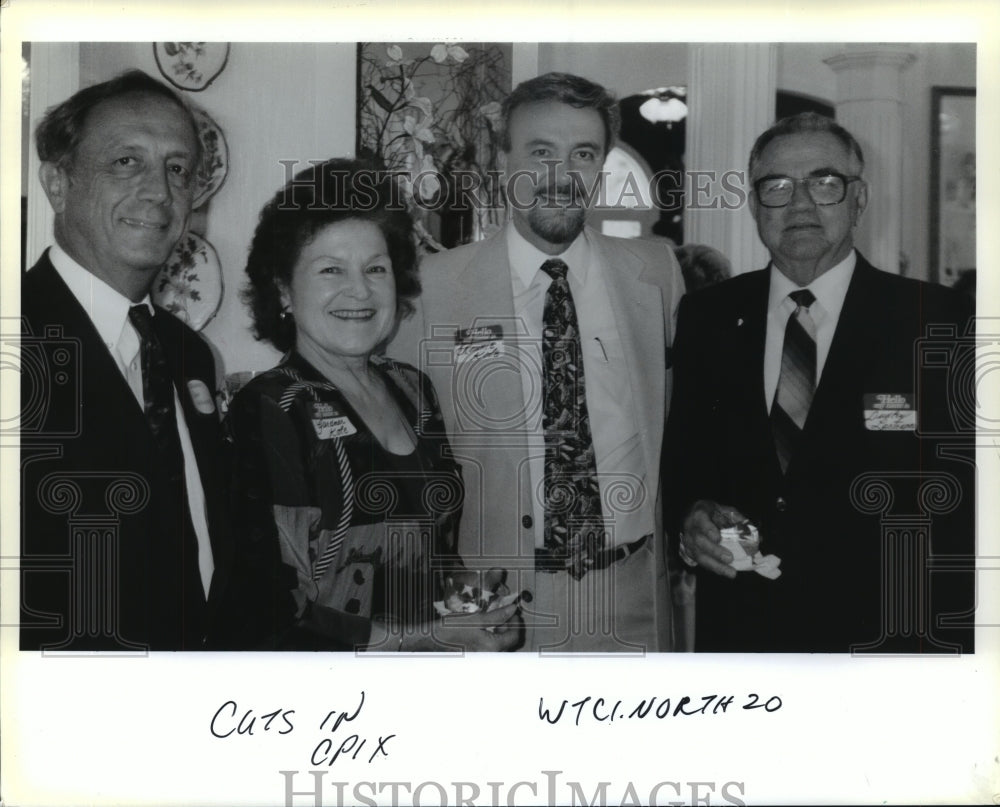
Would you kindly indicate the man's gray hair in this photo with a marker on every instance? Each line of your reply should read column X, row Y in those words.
column 799, row 124
column 61, row 130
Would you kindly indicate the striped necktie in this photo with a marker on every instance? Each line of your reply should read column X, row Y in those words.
column 797, row 380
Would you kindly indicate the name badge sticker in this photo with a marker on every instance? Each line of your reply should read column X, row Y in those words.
column 329, row 422
column 481, row 342
column 890, row 412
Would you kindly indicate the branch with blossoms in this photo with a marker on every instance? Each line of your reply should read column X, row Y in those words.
column 429, row 117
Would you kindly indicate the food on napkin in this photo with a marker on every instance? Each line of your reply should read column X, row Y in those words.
column 466, row 593
column 743, row 542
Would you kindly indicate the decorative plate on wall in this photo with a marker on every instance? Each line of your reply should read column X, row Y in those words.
column 191, row 66
column 214, row 158
column 189, row 285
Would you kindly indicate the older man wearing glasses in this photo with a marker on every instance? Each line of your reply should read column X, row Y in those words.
column 803, row 401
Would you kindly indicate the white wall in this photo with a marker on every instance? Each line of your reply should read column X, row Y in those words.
column 624, row 68
column 801, row 69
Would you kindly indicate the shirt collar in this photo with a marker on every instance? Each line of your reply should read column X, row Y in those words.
column 526, row 259
column 106, row 306
column 829, row 288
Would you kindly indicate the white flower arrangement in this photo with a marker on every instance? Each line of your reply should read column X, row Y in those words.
column 428, row 114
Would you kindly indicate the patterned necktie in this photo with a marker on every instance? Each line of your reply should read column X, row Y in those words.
column 574, row 527
column 176, row 559
column 797, row 380
column 157, row 390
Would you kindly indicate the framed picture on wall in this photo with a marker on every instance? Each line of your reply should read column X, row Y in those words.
column 430, row 112
column 953, row 186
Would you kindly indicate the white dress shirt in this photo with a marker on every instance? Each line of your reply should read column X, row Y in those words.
column 613, row 424
column 108, row 310
column 829, row 289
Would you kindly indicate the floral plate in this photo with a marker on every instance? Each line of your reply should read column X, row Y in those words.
column 214, row 158
column 191, row 65
column 189, row 285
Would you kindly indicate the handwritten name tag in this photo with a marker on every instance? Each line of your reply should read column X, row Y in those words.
column 482, row 342
column 890, row 412
column 329, row 422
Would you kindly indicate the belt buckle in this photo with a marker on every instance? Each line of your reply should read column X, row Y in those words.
column 545, row 562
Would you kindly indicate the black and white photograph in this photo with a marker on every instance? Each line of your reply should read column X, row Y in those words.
column 404, row 412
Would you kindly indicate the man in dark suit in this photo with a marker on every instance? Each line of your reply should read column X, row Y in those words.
column 808, row 399
column 120, row 482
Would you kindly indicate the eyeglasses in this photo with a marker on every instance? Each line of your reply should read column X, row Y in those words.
column 829, row 189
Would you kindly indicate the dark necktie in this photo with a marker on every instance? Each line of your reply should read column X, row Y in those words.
column 177, row 596
column 797, row 380
column 157, row 390
column 574, row 528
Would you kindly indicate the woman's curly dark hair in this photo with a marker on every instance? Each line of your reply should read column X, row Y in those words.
column 323, row 194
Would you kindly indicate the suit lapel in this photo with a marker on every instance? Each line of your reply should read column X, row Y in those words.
column 856, row 332
column 749, row 331
column 206, row 441
column 118, row 432
column 637, row 305
column 482, row 399
column 483, row 297
column 99, row 372
column 202, row 425
column 484, row 289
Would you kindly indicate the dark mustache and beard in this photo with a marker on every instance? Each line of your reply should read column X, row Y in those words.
column 558, row 214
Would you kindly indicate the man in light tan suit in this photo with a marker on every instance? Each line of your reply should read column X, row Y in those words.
column 548, row 345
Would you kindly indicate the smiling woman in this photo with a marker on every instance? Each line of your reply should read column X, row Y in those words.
column 317, row 213
column 342, row 294
column 344, row 494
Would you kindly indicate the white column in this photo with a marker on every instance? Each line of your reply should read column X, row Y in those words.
column 524, row 62
column 54, row 76
column 731, row 92
column 869, row 106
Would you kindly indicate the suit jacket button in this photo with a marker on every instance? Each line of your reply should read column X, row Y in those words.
column 781, row 504
column 526, row 522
